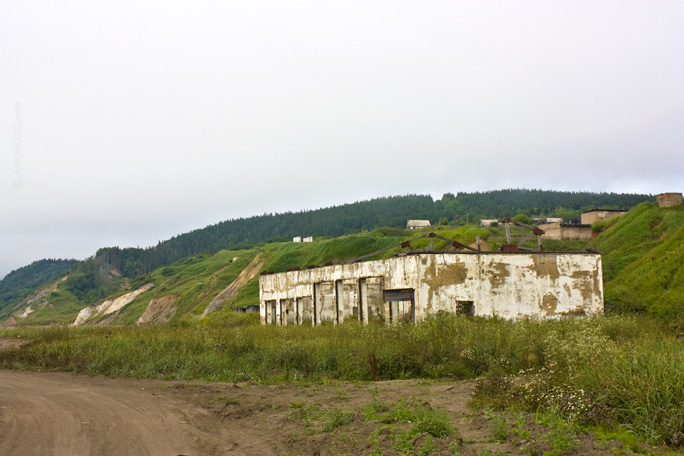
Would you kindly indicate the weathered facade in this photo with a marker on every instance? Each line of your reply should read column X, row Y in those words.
column 566, row 232
column 507, row 285
column 669, row 199
column 589, row 217
column 415, row 224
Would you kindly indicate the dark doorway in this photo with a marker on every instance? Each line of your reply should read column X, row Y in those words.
column 401, row 303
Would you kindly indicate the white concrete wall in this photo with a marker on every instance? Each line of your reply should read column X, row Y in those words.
column 509, row 285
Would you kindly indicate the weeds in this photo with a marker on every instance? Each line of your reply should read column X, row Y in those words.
column 616, row 372
column 498, row 425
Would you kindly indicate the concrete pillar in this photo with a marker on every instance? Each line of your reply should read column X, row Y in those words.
column 337, row 294
column 317, row 300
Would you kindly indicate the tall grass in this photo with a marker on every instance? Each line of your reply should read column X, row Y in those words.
column 613, row 371
column 445, row 346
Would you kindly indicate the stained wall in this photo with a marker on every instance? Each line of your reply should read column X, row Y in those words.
column 508, row 285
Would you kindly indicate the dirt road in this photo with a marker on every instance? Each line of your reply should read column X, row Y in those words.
column 46, row 414
column 64, row 414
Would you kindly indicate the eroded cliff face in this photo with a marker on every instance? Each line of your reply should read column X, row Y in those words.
column 245, row 276
column 159, row 310
column 110, row 306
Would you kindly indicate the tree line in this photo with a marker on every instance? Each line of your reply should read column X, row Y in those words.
column 363, row 215
column 100, row 275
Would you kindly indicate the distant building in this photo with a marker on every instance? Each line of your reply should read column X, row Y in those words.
column 669, row 199
column 566, row 231
column 553, row 220
column 308, row 239
column 589, row 217
column 247, row 309
column 413, row 224
column 488, row 222
column 297, row 239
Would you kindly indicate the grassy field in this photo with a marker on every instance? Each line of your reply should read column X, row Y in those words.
column 622, row 373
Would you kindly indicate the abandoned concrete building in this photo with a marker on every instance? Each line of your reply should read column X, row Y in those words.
column 669, row 199
column 425, row 282
column 567, row 232
column 589, row 217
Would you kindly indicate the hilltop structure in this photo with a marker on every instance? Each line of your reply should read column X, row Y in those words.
column 589, row 217
column 669, row 199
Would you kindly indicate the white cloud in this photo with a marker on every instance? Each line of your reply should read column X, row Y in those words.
column 141, row 120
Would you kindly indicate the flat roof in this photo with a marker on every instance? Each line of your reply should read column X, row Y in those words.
column 605, row 210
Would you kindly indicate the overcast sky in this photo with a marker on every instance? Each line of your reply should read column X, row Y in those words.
column 127, row 122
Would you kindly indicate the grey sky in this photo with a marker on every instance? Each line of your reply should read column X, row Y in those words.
column 127, row 122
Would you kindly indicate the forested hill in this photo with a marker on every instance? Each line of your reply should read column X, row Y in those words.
column 113, row 271
column 364, row 215
column 19, row 283
column 100, row 276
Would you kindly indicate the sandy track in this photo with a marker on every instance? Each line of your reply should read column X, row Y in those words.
column 63, row 414
column 45, row 414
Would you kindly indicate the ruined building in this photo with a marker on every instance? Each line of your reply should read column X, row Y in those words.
column 589, row 217
column 669, row 199
column 418, row 283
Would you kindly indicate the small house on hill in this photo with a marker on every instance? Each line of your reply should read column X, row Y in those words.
column 669, row 199
column 414, row 224
column 488, row 222
column 589, row 217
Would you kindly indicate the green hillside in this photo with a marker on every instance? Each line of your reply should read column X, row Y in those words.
column 641, row 256
column 643, row 261
column 112, row 268
column 362, row 215
column 190, row 285
column 20, row 283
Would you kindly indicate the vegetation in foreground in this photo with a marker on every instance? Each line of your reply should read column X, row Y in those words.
column 622, row 373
